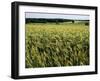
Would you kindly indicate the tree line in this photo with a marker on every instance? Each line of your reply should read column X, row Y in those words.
column 42, row 20
column 57, row 21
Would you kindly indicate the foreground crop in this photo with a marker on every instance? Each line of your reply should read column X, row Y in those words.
column 52, row 45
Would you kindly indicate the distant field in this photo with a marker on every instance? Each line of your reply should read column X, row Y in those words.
column 56, row 45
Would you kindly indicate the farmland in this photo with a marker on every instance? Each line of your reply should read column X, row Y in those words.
column 56, row 45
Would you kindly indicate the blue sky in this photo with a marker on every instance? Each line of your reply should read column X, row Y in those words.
column 62, row 16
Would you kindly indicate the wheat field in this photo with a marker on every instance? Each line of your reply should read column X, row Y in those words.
column 56, row 45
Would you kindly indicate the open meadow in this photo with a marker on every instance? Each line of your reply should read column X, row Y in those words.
column 56, row 45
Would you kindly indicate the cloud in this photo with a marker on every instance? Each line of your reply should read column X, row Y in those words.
column 59, row 16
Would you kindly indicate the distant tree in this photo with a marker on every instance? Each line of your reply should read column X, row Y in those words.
column 73, row 21
column 87, row 23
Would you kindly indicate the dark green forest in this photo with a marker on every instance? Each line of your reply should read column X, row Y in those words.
column 57, row 21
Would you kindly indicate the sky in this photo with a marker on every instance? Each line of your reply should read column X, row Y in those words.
column 51, row 15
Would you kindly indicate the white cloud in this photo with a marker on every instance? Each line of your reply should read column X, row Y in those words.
column 62, row 16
